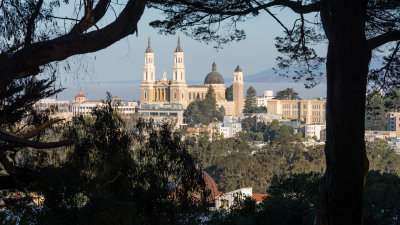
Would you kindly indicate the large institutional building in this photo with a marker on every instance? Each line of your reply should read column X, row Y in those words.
column 308, row 111
column 176, row 91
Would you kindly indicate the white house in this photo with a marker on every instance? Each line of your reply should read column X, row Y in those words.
column 227, row 200
column 314, row 130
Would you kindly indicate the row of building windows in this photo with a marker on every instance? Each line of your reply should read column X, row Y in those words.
column 316, row 120
column 316, row 113
column 158, row 114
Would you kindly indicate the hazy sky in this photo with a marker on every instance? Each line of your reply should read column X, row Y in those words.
column 123, row 61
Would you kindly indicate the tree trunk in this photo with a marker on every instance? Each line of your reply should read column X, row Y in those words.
column 341, row 194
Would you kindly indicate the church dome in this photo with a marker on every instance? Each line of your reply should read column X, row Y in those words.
column 80, row 95
column 214, row 77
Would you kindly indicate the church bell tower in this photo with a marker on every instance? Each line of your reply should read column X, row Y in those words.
column 149, row 70
column 238, row 91
column 178, row 88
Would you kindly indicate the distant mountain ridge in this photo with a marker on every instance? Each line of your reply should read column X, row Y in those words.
column 269, row 76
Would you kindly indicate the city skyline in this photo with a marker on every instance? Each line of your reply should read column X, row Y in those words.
column 112, row 68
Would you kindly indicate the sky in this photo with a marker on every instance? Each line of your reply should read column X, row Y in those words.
column 118, row 68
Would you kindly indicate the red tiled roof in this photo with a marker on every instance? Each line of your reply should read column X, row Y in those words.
column 259, row 197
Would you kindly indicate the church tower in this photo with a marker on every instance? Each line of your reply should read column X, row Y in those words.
column 178, row 86
column 238, row 91
column 149, row 70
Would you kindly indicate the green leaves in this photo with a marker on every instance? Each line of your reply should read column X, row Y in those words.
column 250, row 104
column 203, row 111
column 287, row 94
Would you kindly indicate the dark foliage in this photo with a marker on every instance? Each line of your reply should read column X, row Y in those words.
column 287, row 94
column 203, row 111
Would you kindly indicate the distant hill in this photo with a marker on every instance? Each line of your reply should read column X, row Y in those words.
column 267, row 76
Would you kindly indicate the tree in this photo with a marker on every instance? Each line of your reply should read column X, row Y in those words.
column 203, row 111
column 287, row 94
column 355, row 31
column 249, row 124
column 375, row 113
column 114, row 175
column 250, row 104
column 32, row 42
column 22, row 128
column 229, row 93
column 32, row 36
column 392, row 100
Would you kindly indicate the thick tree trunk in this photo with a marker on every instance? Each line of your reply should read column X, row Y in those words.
column 348, row 59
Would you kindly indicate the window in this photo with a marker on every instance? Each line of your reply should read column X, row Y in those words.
column 173, row 114
column 153, row 113
column 224, row 203
column 190, row 95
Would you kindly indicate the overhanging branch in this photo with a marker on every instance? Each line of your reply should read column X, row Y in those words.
column 33, row 144
column 19, row 64
column 33, row 133
column 295, row 6
column 383, row 39
column 91, row 17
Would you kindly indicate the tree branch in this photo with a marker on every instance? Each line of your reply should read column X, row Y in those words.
column 33, row 144
column 32, row 133
column 382, row 39
column 19, row 64
column 8, row 182
column 295, row 6
column 14, row 170
column 91, row 17
column 31, row 23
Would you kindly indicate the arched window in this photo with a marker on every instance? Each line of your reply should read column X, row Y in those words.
column 145, row 95
column 181, row 76
column 190, row 95
column 146, row 76
column 176, row 75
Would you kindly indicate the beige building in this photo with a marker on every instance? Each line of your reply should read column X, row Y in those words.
column 176, row 91
column 308, row 111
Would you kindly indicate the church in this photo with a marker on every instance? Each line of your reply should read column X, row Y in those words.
column 176, row 91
